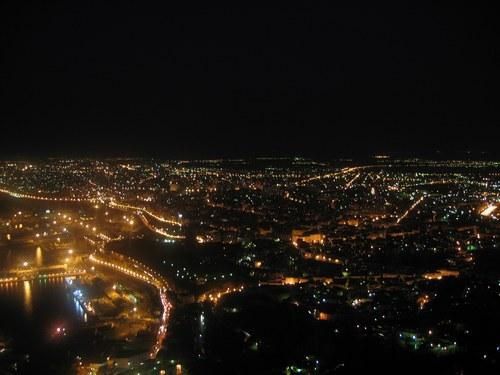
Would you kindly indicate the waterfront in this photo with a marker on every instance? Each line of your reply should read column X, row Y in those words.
column 30, row 317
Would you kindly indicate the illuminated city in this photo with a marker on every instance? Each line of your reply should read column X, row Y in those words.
column 166, row 261
column 249, row 189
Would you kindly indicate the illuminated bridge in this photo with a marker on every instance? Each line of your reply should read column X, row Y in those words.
column 32, row 273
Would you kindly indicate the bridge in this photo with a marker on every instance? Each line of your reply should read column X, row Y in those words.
column 33, row 273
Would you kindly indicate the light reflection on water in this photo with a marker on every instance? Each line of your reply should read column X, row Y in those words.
column 28, row 303
column 31, row 311
column 79, row 310
column 36, row 289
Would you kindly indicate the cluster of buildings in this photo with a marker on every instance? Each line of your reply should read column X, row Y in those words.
column 374, row 249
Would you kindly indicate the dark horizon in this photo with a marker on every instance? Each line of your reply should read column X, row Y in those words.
column 96, row 154
column 104, row 80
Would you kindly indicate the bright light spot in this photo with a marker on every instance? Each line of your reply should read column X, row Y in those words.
column 489, row 210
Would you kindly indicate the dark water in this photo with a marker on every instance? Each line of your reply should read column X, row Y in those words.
column 30, row 313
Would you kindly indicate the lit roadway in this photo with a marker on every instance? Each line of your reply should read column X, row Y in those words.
column 349, row 184
column 115, row 204
column 140, row 211
column 412, row 207
column 343, row 171
column 43, row 198
column 136, row 270
column 42, row 273
column 159, row 231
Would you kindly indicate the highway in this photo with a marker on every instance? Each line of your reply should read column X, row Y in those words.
column 334, row 174
column 43, row 198
column 139, row 271
column 159, row 231
column 142, row 212
column 139, row 211
column 349, row 184
column 412, row 207
column 114, row 204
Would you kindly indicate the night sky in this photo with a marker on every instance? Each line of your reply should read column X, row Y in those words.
column 127, row 78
